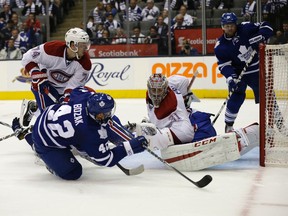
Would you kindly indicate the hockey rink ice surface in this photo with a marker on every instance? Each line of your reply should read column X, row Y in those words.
column 239, row 188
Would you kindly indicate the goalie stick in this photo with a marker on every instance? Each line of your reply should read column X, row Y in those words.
column 195, row 74
column 200, row 184
column 129, row 172
column 237, row 81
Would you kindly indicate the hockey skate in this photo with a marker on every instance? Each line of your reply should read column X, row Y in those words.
column 228, row 128
column 27, row 111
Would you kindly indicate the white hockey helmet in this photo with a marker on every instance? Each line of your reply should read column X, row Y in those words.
column 77, row 35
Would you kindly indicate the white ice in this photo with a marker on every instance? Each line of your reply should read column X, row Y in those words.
column 239, row 188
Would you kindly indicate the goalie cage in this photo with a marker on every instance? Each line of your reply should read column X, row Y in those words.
column 274, row 105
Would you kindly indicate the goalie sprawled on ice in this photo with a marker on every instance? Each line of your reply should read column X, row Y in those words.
column 185, row 136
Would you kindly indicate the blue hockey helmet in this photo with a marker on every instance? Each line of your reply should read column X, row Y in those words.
column 228, row 18
column 101, row 107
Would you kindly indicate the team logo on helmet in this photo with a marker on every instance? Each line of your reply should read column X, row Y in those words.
column 102, row 104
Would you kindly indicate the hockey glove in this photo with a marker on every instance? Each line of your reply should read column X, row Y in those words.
column 135, row 145
column 40, row 81
column 130, row 126
column 231, row 81
column 21, row 132
column 66, row 97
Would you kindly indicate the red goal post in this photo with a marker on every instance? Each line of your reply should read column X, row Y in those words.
column 273, row 105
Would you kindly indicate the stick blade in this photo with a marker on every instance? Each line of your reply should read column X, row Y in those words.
column 204, row 181
column 137, row 170
column 133, row 171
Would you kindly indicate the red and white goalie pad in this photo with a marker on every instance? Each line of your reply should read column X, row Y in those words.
column 212, row 151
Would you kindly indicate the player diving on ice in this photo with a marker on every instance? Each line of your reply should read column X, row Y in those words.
column 185, row 136
column 85, row 124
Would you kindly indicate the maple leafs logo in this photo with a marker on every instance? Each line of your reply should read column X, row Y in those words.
column 245, row 53
column 103, row 133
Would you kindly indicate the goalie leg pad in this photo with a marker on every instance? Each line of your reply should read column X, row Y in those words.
column 249, row 137
column 203, row 154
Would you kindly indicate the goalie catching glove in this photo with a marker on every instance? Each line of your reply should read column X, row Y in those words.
column 157, row 138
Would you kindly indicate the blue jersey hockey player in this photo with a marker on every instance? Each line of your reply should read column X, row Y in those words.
column 84, row 123
column 233, row 50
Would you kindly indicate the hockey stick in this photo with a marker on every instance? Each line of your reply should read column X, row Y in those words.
column 5, row 124
column 15, row 133
column 237, row 81
column 200, row 184
column 10, row 135
column 195, row 74
column 128, row 172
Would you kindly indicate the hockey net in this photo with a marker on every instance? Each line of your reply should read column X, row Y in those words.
column 274, row 105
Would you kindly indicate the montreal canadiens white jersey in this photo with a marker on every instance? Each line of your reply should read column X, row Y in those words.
column 180, row 83
column 63, row 74
column 172, row 114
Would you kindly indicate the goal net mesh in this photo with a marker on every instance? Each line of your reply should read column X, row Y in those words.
column 274, row 105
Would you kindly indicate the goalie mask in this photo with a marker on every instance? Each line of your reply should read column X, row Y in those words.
column 157, row 88
column 101, row 107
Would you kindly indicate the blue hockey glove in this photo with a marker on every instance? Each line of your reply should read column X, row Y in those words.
column 15, row 124
column 40, row 81
column 232, row 85
column 135, row 145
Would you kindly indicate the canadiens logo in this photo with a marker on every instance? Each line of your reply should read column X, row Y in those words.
column 60, row 76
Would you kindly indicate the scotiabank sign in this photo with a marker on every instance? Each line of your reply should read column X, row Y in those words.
column 123, row 50
column 194, row 36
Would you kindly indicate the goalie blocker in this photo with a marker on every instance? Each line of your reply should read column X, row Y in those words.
column 212, row 151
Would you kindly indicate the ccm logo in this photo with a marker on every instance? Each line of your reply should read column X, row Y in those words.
column 205, row 142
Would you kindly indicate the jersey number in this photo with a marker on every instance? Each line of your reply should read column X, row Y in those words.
column 66, row 130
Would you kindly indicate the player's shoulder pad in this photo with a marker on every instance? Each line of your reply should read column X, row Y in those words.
column 55, row 48
column 80, row 93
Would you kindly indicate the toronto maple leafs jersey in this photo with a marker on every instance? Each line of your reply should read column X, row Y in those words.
column 66, row 125
column 233, row 53
column 63, row 74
